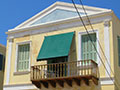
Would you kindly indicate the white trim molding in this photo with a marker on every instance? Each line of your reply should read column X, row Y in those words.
column 107, row 46
column 9, row 61
column 64, row 6
column 79, row 44
column 54, row 26
column 20, row 87
column 106, row 81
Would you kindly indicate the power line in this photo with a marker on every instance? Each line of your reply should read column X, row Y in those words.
column 97, row 38
column 91, row 41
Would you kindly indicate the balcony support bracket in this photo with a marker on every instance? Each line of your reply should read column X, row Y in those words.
column 45, row 84
column 60, row 82
column 53, row 83
column 37, row 84
column 95, row 80
column 69, row 82
column 77, row 81
column 86, row 81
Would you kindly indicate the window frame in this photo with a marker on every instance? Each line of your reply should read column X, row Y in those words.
column 80, row 44
column 16, row 58
column 82, row 52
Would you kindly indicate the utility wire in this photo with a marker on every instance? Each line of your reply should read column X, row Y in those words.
column 91, row 40
column 97, row 38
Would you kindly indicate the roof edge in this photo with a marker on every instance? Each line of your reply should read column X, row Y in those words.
column 17, row 30
column 58, row 3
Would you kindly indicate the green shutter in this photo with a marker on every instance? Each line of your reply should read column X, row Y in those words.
column 119, row 50
column 23, row 57
column 88, row 51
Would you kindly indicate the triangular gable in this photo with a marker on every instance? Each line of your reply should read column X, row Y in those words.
column 60, row 11
column 56, row 15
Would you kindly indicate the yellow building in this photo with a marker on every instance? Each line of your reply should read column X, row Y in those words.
column 52, row 51
column 2, row 62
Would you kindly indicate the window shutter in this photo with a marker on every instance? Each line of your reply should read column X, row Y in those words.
column 23, row 57
column 88, row 51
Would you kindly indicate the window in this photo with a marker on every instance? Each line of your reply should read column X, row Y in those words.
column 23, row 57
column 88, row 50
column 118, row 50
column 1, row 62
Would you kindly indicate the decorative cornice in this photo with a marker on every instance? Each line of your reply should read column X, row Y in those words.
column 107, row 81
column 13, row 85
column 63, row 6
column 55, row 26
column 54, row 23
column 10, row 39
column 107, row 23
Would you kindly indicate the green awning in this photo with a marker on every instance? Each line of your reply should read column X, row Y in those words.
column 55, row 46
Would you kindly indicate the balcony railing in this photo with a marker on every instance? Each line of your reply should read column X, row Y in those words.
column 64, row 70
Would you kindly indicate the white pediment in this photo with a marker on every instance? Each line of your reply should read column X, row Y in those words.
column 58, row 14
column 59, row 11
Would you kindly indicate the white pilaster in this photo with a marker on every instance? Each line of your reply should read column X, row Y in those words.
column 107, row 46
column 9, row 61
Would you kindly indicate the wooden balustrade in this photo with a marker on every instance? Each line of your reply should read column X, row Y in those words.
column 63, row 70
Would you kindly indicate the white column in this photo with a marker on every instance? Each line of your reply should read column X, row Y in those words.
column 9, row 61
column 107, row 46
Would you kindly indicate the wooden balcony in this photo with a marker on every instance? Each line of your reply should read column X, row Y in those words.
column 64, row 72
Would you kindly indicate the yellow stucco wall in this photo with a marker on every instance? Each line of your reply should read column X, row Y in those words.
column 2, row 51
column 116, row 32
column 36, row 42
column 108, row 87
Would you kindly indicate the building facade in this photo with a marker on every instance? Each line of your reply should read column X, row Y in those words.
column 2, row 64
column 52, row 50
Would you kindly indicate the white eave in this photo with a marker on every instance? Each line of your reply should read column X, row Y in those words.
column 24, row 27
column 17, row 30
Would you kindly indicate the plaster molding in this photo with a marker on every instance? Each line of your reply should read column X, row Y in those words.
column 21, row 73
column 55, row 26
column 106, row 23
column 10, row 40
column 19, row 87
column 107, row 46
column 9, row 60
column 107, row 81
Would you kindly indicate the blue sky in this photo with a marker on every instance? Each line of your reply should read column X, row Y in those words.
column 14, row 12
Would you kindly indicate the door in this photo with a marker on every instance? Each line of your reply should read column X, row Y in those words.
column 56, row 68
